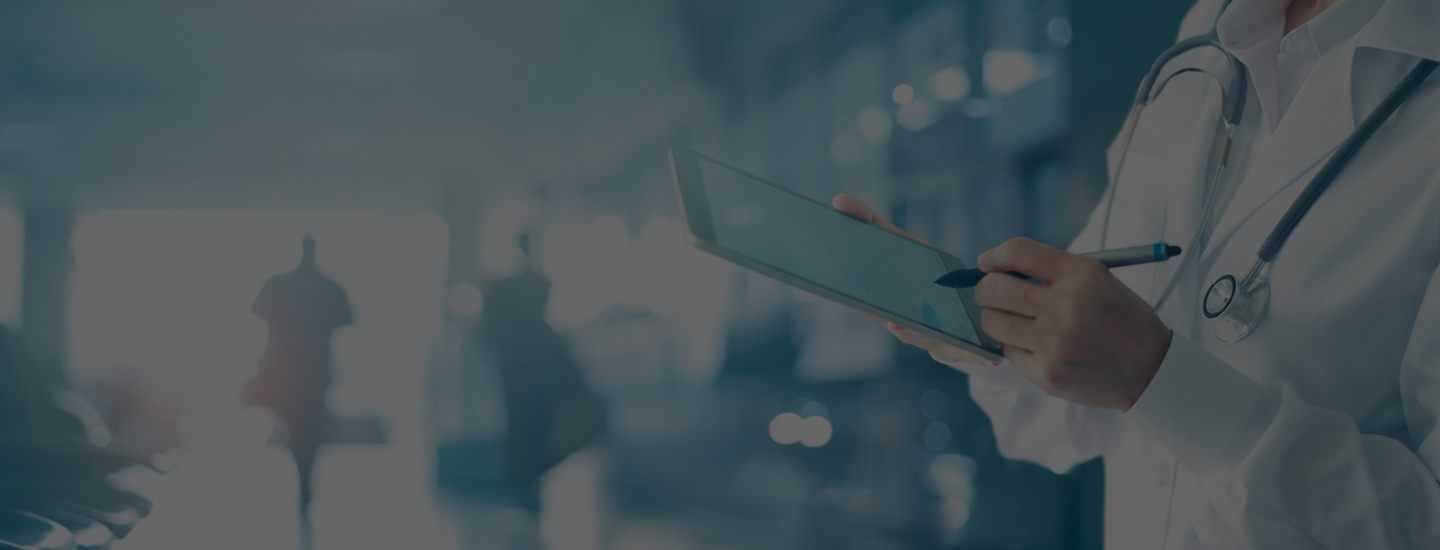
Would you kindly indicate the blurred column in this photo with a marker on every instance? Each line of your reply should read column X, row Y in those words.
column 461, row 210
column 45, row 279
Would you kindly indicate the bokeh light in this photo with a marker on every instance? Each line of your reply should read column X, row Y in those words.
column 815, row 431
column 786, row 428
column 903, row 94
column 950, row 84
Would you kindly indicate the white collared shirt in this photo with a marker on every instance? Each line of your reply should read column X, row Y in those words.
column 1323, row 429
column 1279, row 63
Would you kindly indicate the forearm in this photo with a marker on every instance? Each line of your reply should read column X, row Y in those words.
column 1280, row 470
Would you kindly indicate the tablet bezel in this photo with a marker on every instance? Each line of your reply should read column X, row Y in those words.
column 695, row 212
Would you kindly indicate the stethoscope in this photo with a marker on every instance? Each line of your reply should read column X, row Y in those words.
column 1237, row 306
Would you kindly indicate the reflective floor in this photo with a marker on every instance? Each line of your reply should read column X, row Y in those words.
column 366, row 497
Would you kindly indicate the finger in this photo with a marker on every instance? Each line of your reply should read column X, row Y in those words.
column 909, row 337
column 854, row 207
column 895, row 328
column 954, row 354
column 1017, row 355
column 1006, row 292
column 1009, row 328
column 942, row 351
column 1023, row 361
column 849, row 205
column 1024, row 255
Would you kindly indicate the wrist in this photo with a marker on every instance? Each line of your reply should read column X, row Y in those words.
column 1202, row 410
column 1149, row 365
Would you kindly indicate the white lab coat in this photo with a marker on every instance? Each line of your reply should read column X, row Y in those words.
column 1322, row 429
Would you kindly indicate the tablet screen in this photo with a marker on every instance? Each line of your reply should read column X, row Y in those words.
column 813, row 242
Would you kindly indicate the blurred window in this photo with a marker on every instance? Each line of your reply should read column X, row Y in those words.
column 644, row 311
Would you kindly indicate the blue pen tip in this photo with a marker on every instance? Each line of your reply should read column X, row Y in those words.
column 1172, row 250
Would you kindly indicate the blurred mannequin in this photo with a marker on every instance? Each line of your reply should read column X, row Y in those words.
column 551, row 412
column 302, row 308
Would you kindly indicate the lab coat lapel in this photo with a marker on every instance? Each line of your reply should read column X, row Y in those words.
column 1319, row 119
column 1405, row 26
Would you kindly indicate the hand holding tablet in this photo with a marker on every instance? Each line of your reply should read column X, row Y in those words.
column 941, row 350
column 806, row 244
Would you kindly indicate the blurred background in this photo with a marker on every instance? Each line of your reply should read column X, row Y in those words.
column 529, row 354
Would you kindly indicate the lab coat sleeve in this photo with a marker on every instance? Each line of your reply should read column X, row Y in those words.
column 1031, row 425
column 1283, row 473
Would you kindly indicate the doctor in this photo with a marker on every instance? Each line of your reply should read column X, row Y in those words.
column 1321, row 427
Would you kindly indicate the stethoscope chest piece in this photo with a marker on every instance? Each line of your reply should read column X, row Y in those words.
column 1236, row 307
column 1236, row 311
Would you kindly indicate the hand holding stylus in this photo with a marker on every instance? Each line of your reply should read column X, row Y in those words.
column 855, row 208
column 1084, row 336
column 1111, row 259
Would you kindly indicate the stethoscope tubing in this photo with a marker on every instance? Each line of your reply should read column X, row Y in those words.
column 1342, row 157
column 1151, row 86
column 1233, row 103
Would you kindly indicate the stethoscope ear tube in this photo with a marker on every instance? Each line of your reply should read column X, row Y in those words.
column 1234, row 96
column 1237, row 307
column 1232, row 105
column 1341, row 159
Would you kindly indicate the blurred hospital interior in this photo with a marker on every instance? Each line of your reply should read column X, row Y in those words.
column 411, row 273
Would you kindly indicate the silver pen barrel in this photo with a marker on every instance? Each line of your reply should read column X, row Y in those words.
column 1121, row 257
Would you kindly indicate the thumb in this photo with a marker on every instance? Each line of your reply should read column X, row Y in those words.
column 851, row 206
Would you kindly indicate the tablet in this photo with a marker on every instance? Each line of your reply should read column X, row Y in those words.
column 804, row 243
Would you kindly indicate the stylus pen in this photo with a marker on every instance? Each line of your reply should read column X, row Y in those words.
column 1118, row 257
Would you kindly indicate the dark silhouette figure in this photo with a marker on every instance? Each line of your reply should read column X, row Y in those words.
column 303, row 308
column 551, row 412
